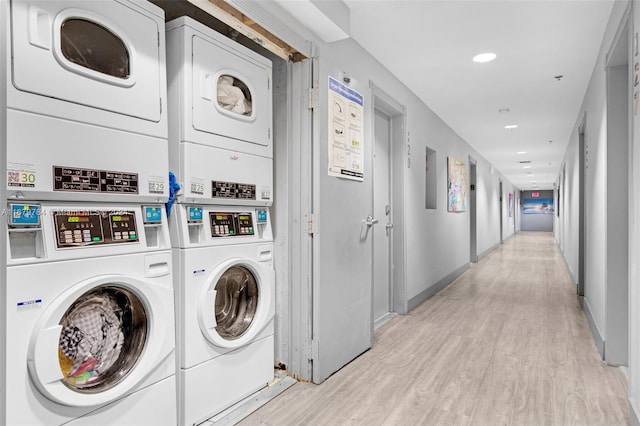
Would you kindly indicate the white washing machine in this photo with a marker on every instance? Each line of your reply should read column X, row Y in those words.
column 225, row 298
column 81, row 133
column 220, row 116
column 90, row 316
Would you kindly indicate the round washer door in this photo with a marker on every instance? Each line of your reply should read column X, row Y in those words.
column 236, row 303
column 99, row 339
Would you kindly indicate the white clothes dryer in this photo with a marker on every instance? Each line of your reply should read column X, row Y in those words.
column 223, row 88
column 225, row 298
column 220, row 98
column 95, row 128
column 90, row 316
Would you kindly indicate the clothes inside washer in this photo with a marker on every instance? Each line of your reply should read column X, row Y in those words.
column 91, row 338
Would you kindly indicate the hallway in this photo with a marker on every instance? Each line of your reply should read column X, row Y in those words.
column 505, row 344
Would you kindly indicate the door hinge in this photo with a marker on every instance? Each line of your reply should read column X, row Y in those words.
column 313, row 224
column 313, row 98
column 269, row 133
column 268, row 84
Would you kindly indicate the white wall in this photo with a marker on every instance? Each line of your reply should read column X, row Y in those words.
column 634, row 253
column 437, row 243
column 593, row 113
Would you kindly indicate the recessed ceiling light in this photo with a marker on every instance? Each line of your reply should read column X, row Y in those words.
column 526, row 167
column 484, row 57
column 521, row 152
column 511, row 126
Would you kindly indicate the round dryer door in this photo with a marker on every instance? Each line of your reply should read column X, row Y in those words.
column 237, row 303
column 98, row 340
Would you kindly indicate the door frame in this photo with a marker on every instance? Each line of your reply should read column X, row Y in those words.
column 501, row 199
column 384, row 102
column 619, row 135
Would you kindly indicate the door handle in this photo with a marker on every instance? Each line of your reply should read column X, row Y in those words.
column 388, row 225
column 371, row 221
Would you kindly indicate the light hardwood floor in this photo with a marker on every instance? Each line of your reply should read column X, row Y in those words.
column 506, row 344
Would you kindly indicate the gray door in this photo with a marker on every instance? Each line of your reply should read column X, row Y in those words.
column 382, row 290
column 342, row 241
column 473, row 255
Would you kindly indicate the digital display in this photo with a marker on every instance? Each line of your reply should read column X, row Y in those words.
column 116, row 218
column 77, row 219
column 244, row 217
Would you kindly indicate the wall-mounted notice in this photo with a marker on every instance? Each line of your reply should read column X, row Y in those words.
column 346, row 112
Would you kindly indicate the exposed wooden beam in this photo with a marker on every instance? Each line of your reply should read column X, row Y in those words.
column 246, row 26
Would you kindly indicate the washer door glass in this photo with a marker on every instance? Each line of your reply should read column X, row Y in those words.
column 236, row 302
column 103, row 334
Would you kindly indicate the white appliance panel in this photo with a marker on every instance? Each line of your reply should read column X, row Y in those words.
column 42, row 34
column 189, row 233
column 198, row 166
column 199, row 63
column 36, row 297
column 222, row 254
column 83, row 270
column 198, row 267
column 210, row 62
column 237, row 375
column 37, row 144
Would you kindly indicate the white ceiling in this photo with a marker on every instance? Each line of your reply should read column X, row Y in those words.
column 429, row 46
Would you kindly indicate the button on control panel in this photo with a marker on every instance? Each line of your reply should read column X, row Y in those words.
column 224, row 224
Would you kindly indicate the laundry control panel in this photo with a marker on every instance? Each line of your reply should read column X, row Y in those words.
column 233, row 190
column 94, row 180
column 85, row 228
column 224, row 224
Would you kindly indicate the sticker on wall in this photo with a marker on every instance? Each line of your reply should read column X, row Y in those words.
column 346, row 111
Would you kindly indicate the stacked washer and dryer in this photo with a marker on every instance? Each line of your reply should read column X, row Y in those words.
column 220, row 144
column 90, row 303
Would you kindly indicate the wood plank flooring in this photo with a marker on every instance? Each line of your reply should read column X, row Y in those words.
column 506, row 344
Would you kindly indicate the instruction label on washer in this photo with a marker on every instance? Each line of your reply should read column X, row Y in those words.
column 156, row 185
column 21, row 175
column 197, row 186
column 346, row 109
column 27, row 305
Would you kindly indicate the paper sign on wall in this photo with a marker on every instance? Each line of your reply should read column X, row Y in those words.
column 346, row 111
